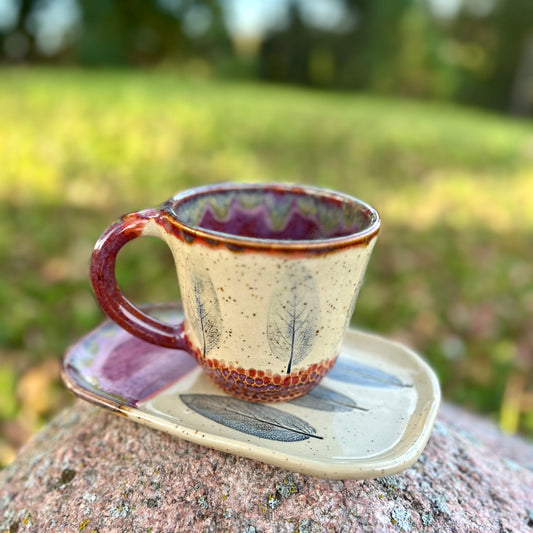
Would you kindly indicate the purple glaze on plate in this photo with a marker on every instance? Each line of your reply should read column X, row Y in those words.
column 137, row 369
column 126, row 367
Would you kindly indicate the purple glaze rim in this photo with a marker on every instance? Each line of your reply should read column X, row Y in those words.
column 237, row 242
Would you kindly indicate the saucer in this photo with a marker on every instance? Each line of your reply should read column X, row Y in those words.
column 371, row 416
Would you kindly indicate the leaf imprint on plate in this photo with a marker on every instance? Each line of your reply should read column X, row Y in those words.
column 252, row 418
column 323, row 399
column 293, row 317
column 357, row 373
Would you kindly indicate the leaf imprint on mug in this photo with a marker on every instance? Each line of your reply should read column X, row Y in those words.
column 204, row 311
column 293, row 317
column 353, row 301
column 251, row 418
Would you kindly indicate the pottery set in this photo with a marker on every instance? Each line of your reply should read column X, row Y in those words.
column 258, row 358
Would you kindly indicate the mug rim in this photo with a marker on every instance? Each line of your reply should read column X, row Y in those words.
column 237, row 242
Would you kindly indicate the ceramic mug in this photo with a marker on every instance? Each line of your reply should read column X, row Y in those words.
column 269, row 275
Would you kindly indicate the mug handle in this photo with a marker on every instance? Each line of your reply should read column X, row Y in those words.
column 108, row 293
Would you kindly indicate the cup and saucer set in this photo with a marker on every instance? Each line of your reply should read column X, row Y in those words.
column 258, row 358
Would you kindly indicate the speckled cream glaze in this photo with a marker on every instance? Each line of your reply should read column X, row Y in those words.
column 265, row 316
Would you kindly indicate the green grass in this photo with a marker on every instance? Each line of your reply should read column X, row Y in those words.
column 452, row 273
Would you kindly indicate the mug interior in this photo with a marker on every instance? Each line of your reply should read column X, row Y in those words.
column 274, row 212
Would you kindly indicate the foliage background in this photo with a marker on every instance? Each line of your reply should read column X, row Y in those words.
column 101, row 127
column 478, row 52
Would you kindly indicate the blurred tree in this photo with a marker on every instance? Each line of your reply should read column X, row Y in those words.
column 138, row 32
column 379, row 31
column 489, row 46
column 362, row 53
column 119, row 32
column 19, row 43
column 522, row 90
column 477, row 54
column 405, row 47
column 283, row 54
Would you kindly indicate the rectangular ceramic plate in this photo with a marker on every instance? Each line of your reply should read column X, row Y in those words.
column 371, row 416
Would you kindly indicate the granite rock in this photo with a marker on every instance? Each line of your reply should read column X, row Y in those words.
column 91, row 470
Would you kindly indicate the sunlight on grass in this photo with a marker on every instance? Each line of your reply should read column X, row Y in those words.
column 107, row 139
column 463, row 201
